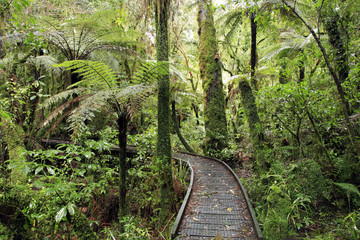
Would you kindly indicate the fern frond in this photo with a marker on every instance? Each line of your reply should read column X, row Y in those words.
column 349, row 188
column 150, row 71
column 93, row 73
column 87, row 109
column 47, row 62
column 132, row 97
column 129, row 98
column 59, row 111
column 60, row 97
column 232, row 19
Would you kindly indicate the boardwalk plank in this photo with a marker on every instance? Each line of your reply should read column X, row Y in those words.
column 217, row 207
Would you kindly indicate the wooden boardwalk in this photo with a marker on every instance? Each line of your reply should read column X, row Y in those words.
column 216, row 205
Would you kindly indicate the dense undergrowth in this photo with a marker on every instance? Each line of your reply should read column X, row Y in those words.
column 71, row 192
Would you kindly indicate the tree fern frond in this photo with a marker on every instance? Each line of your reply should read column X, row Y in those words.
column 94, row 74
column 150, row 71
column 59, row 111
column 86, row 111
column 60, row 97
column 232, row 19
column 47, row 62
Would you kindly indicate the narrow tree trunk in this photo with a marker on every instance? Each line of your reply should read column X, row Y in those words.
column 176, row 126
column 301, row 66
column 163, row 141
column 122, row 123
column 253, row 58
column 210, row 73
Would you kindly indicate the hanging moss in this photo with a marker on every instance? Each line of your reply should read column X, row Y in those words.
column 210, row 73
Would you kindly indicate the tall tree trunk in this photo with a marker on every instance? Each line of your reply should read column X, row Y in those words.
column 122, row 124
column 252, row 116
column 163, row 140
column 210, row 73
column 253, row 57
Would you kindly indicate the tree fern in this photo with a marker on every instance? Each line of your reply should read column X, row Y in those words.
column 94, row 74
column 100, row 90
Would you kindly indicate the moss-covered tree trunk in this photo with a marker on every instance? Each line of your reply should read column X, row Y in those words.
column 210, row 73
column 338, row 42
column 163, row 138
column 253, row 120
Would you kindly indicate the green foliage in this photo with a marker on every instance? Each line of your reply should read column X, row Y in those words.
column 276, row 220
column 94, row 74
column 59, row 181
column 311, row 180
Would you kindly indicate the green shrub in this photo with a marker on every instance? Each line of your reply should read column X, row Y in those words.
column 276, row 225
column 311, row 180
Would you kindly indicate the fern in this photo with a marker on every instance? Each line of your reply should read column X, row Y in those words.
column 60, row 97
column 348, row 188
column 94, row 74
column 150, row 71
column 100, row 91
column 45, row 61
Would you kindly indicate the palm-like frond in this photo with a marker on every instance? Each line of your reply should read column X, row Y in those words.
column 290, row 46
column 93, row 73
column 150, row 71
column 63, row 107
column 60, row 97
column 101, row 92
column 128, row 98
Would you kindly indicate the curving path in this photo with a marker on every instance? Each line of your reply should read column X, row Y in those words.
column 216, row 205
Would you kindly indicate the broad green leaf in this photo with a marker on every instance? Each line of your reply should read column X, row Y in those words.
column 71, row 208
column 5, row 115
column 50, row 170
column 60, row 214
column 25, row 170
column 39, row 169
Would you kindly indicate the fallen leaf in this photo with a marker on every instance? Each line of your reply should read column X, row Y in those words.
column 229, row 209
column 195, row 219
column 232, row 191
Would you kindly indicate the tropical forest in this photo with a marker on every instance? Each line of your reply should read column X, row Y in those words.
column 137, row 119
